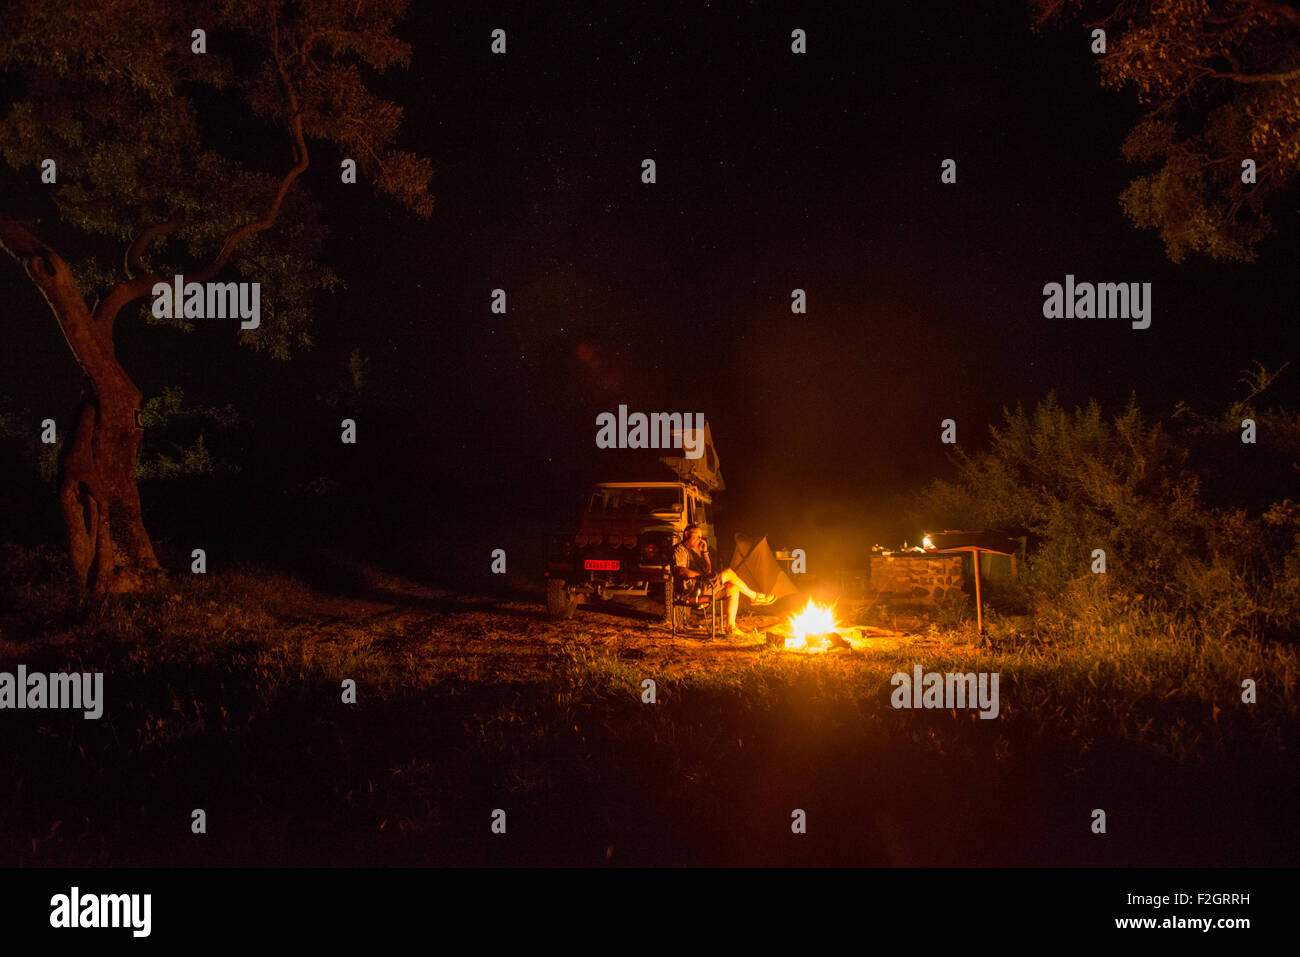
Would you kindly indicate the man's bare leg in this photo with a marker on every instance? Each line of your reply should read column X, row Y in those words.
column 729, row 577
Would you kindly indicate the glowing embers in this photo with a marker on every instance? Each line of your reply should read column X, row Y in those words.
column 815, row 628
column 811, row 629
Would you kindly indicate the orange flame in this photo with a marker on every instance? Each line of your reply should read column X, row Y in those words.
column 813, row 621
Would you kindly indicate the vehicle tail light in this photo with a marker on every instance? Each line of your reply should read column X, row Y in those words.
column 655, row 550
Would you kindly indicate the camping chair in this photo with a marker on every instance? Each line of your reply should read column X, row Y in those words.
column 695, row 599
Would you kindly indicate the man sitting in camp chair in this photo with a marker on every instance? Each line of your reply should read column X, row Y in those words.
column 691, row 564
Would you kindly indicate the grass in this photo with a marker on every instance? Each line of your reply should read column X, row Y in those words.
column 224, row 692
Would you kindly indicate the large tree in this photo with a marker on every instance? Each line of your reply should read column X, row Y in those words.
column 171, row 161
column 1221, row 81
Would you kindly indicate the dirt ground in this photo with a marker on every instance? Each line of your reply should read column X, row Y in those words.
column 230, row 688
column 518, row 635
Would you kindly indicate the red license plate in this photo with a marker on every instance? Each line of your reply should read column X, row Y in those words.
column 600, row 565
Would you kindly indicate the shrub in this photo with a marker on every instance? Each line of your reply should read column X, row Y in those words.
column 1078, row 481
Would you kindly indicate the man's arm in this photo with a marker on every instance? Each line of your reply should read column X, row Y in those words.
column 682, row 561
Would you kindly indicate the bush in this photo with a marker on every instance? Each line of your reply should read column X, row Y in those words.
column 1077, row 482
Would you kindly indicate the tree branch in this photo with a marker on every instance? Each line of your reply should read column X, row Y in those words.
column 238, row 235
column 22, row 244
column 142, row 241
column 137, row 287
column 1277, row 9
column 52, row 276
column 1283, row 77
column 121, row 295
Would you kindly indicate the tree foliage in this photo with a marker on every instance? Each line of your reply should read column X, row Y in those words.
column 153, row 141
column 177, row 440
column 1079, row 480
column 182, row 134
column 1221, row 83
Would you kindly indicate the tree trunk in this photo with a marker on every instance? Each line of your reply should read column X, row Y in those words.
column 110, row 548
column 97, row 485
column 97, row 488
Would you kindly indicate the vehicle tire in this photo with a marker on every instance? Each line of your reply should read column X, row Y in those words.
column 560, row 605
column 666, row 608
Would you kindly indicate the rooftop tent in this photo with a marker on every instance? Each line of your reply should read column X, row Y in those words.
column 704, row 471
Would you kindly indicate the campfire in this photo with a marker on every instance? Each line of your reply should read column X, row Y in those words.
column 815, row 629
column 812, row 629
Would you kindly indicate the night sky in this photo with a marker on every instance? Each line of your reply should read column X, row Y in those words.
column 775, row 171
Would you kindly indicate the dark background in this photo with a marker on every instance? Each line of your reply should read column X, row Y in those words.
column 775, row 171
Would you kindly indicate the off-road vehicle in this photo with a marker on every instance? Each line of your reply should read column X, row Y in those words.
column 625, row 539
